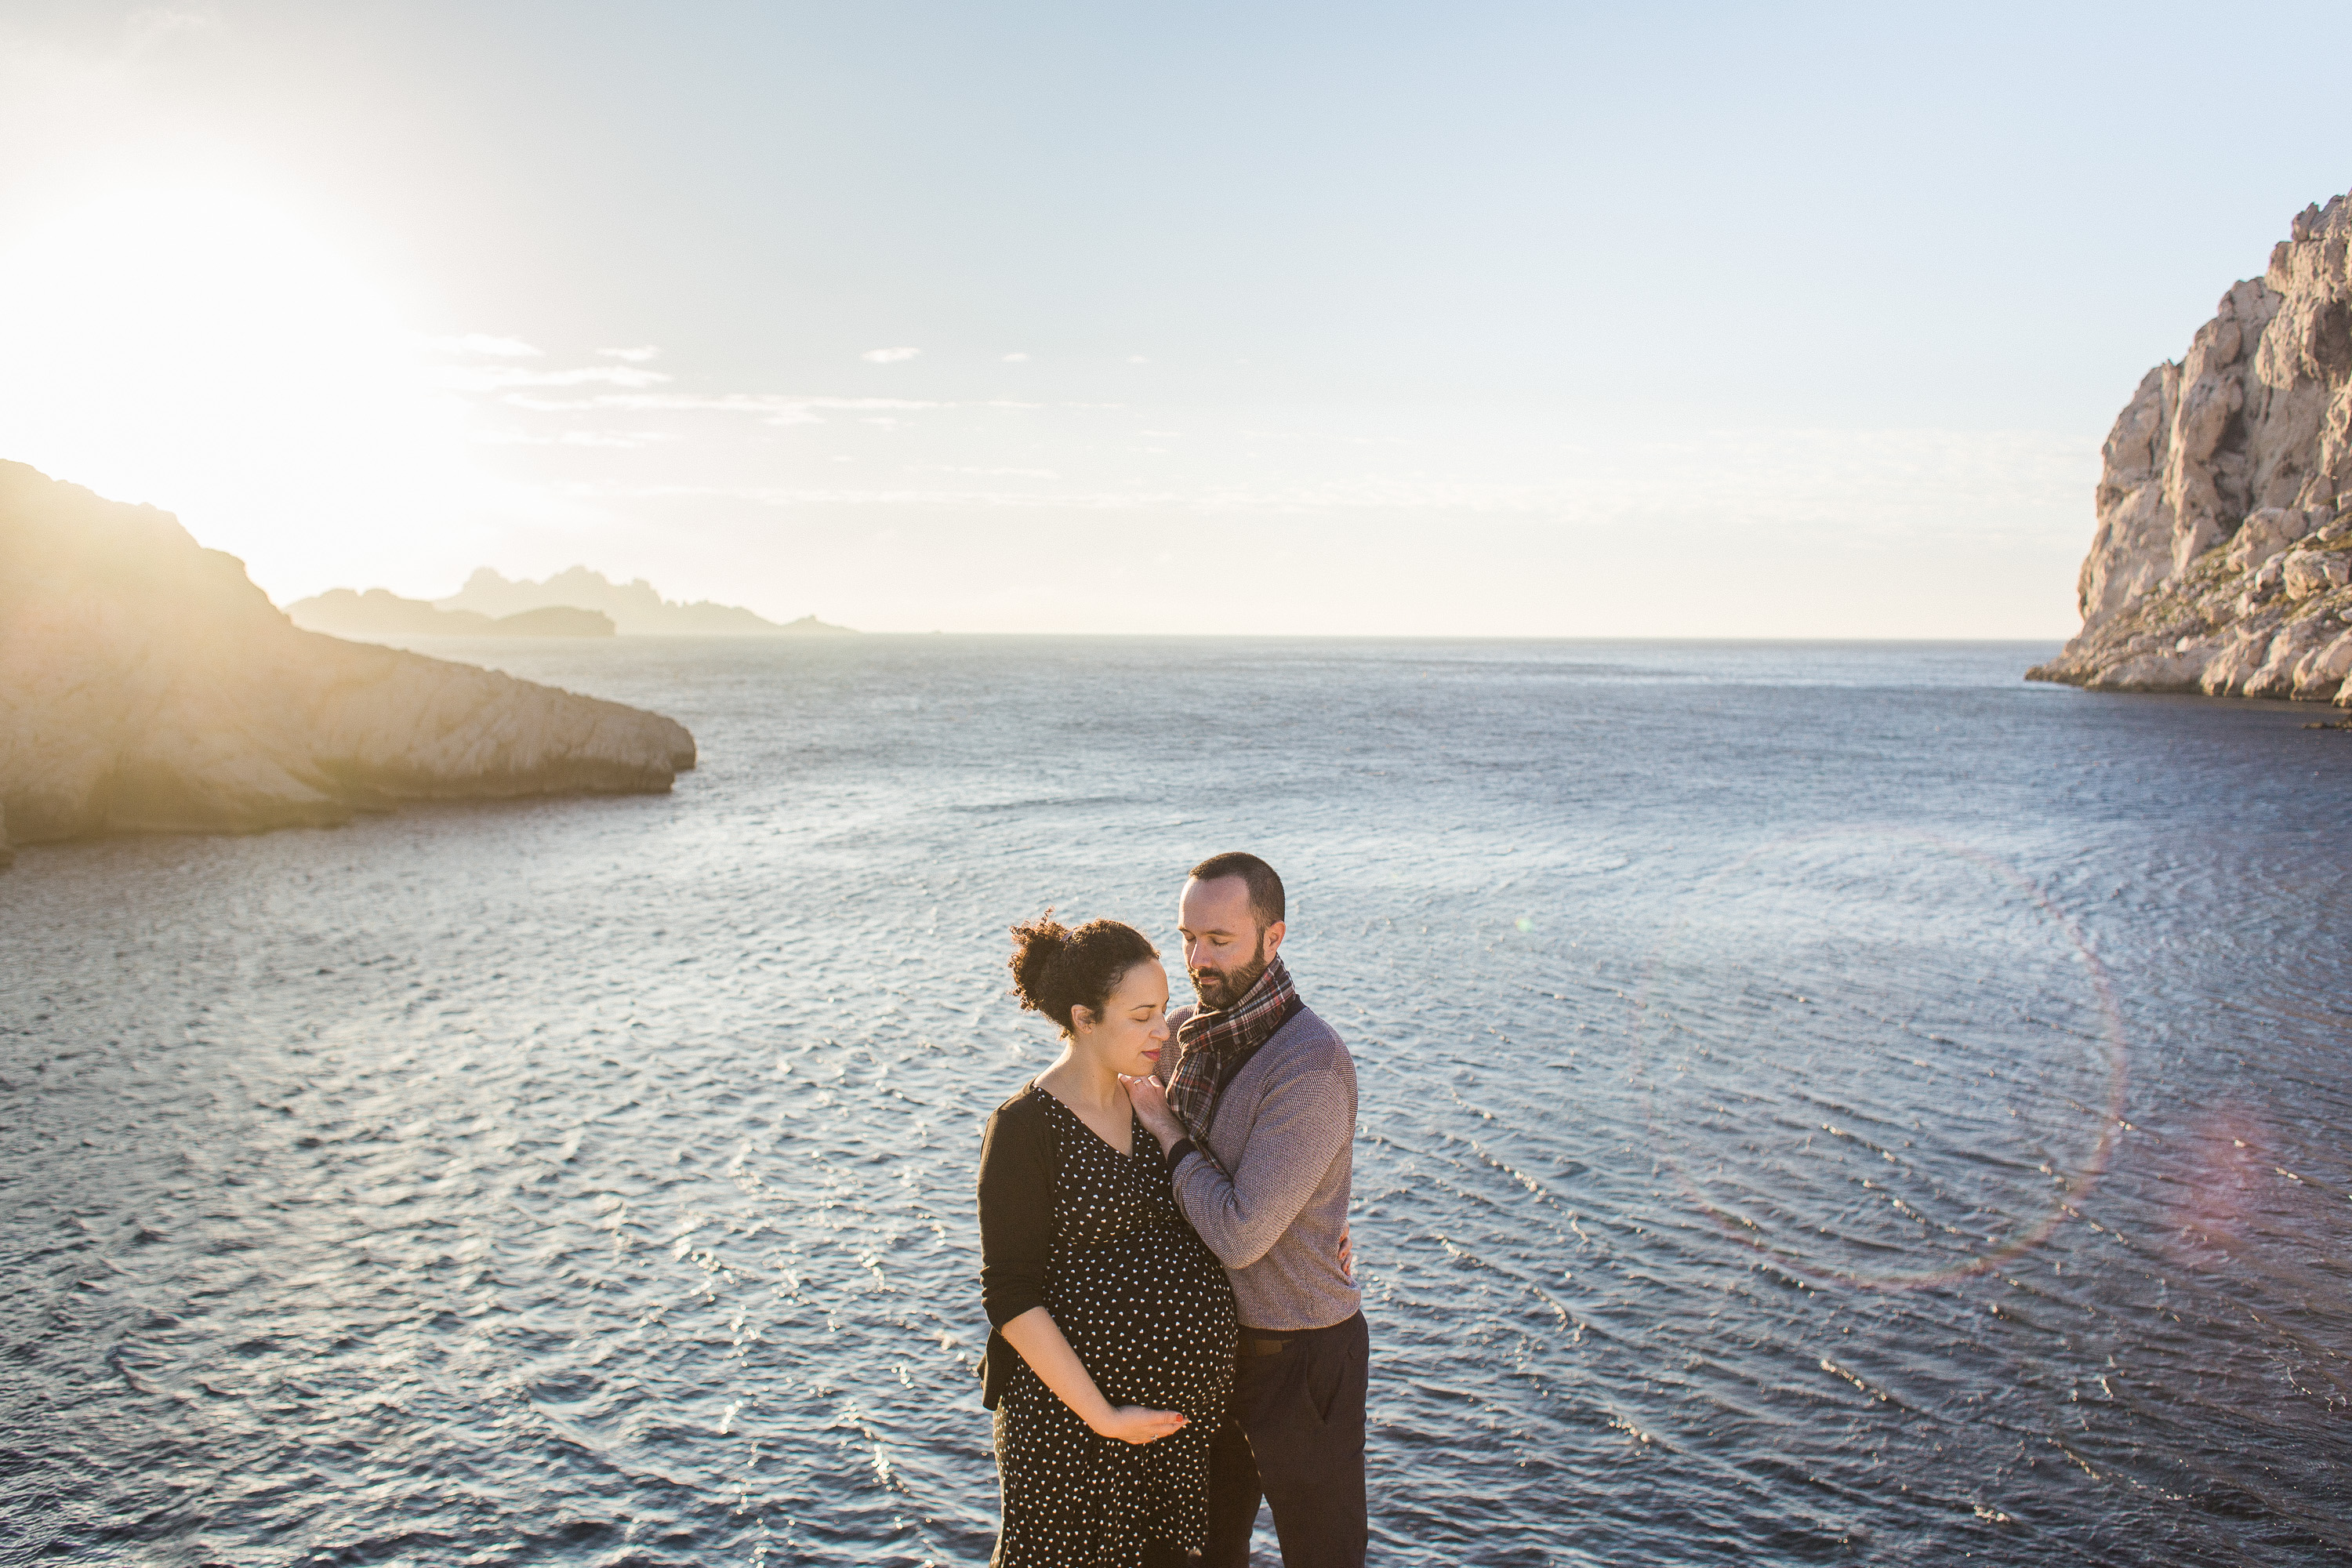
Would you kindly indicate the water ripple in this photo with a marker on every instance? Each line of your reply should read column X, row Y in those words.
column 1741, row 1177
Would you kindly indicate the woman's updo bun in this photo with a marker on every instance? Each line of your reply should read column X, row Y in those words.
column 1056, row 969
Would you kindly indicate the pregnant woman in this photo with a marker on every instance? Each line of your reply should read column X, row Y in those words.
column 1112, row 1351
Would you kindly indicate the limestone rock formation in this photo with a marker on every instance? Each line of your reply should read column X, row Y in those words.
column 380, row 614
column 2223, row 560
column 635, row 608
column 147, row 684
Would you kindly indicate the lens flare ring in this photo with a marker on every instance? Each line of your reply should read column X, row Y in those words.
column 2075, row 1184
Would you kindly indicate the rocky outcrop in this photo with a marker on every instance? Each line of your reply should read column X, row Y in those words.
column 2222, row 560
column 380, row 614
column 635, row 608
column 147, row 684
column 554, row 621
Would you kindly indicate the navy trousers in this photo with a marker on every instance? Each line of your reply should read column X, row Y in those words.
column 1293, row 1435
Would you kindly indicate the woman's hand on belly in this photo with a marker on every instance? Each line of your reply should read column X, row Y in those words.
column 1041, row 1342
column 1134, row 1423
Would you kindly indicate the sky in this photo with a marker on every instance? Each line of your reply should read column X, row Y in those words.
column 1464, row 319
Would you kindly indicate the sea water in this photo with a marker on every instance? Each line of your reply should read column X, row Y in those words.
column 1819, row 1104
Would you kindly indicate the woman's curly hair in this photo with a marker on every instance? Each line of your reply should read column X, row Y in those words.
column 1056, row 969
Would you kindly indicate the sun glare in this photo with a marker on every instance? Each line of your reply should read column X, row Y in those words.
column 203, row 352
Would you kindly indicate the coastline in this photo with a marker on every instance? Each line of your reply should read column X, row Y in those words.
column 146, row 685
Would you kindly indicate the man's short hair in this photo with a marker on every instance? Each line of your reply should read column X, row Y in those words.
column 1265, row 886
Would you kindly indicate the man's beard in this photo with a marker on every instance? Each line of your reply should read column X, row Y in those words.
column 1219, row 990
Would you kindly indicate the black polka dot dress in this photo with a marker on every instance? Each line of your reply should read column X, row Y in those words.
column 1146, row 1307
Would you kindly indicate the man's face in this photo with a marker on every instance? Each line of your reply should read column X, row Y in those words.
column 1225, row 950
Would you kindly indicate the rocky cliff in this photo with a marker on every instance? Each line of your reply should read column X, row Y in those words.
column 147, row 684
column 2222, row 560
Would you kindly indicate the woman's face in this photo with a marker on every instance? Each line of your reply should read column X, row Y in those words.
column 1134, row 1023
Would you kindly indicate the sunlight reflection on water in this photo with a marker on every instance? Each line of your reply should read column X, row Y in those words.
column 590, row 1181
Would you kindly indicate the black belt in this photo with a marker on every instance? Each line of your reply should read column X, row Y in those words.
column 1255, row 1344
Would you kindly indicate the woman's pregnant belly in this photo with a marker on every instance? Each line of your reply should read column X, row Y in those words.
column 1151, row 1317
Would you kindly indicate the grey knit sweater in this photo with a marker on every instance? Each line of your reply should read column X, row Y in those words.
column 1286, row 1128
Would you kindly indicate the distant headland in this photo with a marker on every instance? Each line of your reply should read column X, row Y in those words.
column 146, row 685
column 380, row 613
column 2223, row 560
column 573, row 603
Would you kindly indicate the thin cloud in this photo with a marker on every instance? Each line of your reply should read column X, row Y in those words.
column 1876, row 487
column 998, row 473
column 620, row 440
column 1096, row 501
column 744, row 403
column 485, row 344
column 1016, row 359
column 773, row 408
column 769, row 411
column 155, row 24
column 888, row 356
column 500, row 378
column 634, row 357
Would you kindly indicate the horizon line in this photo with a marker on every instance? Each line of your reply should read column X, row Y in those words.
column 1270, row 636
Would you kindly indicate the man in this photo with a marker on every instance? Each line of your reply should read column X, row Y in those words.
column 1258, row 1119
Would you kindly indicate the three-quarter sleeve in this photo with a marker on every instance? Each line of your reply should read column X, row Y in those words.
column 1016, row 1210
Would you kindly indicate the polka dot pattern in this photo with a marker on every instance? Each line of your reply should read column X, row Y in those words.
column 1147, row 1309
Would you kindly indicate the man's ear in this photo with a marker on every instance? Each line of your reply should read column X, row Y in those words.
column 1272, row 940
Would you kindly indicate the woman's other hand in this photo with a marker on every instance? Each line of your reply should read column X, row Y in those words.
column 1134, row 1423
column 1347, row 1256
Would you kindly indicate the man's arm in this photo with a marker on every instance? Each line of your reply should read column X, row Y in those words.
column 1303, row 1123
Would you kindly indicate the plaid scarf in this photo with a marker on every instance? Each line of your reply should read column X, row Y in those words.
column 1207, row 1041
